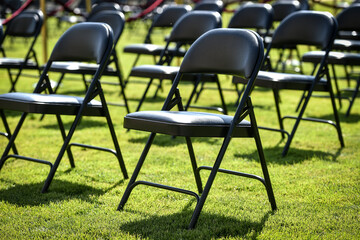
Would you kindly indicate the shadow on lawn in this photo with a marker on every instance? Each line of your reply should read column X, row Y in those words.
column 294, row 156
column 29, row 194
column 210, row 226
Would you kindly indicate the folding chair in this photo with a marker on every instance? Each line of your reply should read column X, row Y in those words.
column 210, row 5
column 165, row 20
column 186, row 30
column 116, row 21
column 345, row 52
column 240, row 53
column 81, row 42
column 309, row 28
column 26, row 25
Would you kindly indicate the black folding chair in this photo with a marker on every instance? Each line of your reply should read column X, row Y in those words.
column 116, row 20
column 309, row 28
column 210, row 5
column 82, row 42
column 240, row 53
column 345, row 52
column 26, row 25
column 164, row 20
column 186, row 30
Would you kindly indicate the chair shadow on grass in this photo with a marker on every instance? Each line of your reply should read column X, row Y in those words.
column 295, row 155
column 28, row 194
column 175, row 226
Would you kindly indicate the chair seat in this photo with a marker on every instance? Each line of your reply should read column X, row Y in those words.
column 150, row 49
column 48, row 104
column 184, row 123
column 288, row 81
column 346, row 44
column 155, row 71
column 78, row 68
column 16, row 62
column 337, row 58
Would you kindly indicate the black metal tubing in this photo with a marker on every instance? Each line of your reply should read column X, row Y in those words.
column 174, row 189
column 241, row 174
column 275, row 130
column 28, row 159
column 7, row 129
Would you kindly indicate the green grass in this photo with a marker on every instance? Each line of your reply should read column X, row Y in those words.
column 316, row 186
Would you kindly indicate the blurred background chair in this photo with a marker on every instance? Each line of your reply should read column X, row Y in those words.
column 309, row 28
column 25, row 26
column 116, row 20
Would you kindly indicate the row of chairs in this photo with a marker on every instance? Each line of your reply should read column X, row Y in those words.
column 240, row 54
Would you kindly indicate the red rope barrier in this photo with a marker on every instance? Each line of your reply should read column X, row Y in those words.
column 146, row 11
column 17, row 12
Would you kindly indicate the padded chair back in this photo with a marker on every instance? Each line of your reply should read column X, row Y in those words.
column 103, row 6
column 26, row 24
column 170, row 15
column 306, row 27
column 240, row 53
column 283, row 8
column 347, row 18
column 258, row 16
column 83, row 42
column 208, row 5
column 193, row 24
column 115, row 19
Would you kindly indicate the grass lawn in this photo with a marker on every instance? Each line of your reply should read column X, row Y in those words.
column 316, row 186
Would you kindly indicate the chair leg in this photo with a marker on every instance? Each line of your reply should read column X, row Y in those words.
column 209, row 183
column 7, row 129
column 121, row 82
column 84, row 81
column 130, row 186
column 221, row 95
column 297, row 122
column 115, row 141
column 196, row 84
column 144, row 95
column 353, row 97
column 265, row 171
column 63, row 134
column 62, row 152
column 133, row 65
column 12, row 139
column 194, row 165
column 59, row 82
column 336, row 115
column 338, row 92
column 277, row 100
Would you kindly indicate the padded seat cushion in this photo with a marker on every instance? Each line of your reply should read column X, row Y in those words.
column 289, row 81
column 337, row 58
column 347, row 45
column 184, row 123
column 48, row 104
column 150, row 49
column 155, row 71
column 78, row 67
column 16, row 62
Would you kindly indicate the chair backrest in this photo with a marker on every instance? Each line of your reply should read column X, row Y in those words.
column 87, row 41
column 348, row 18
column 170, row 15
column 257, row 16
column 167, row 18
column 115, row 19
column 240, row 53
column 283, row 8
column 103, row 6
column 193, row 24
column 208, row 5
column 308, row 28
column 26, row 24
